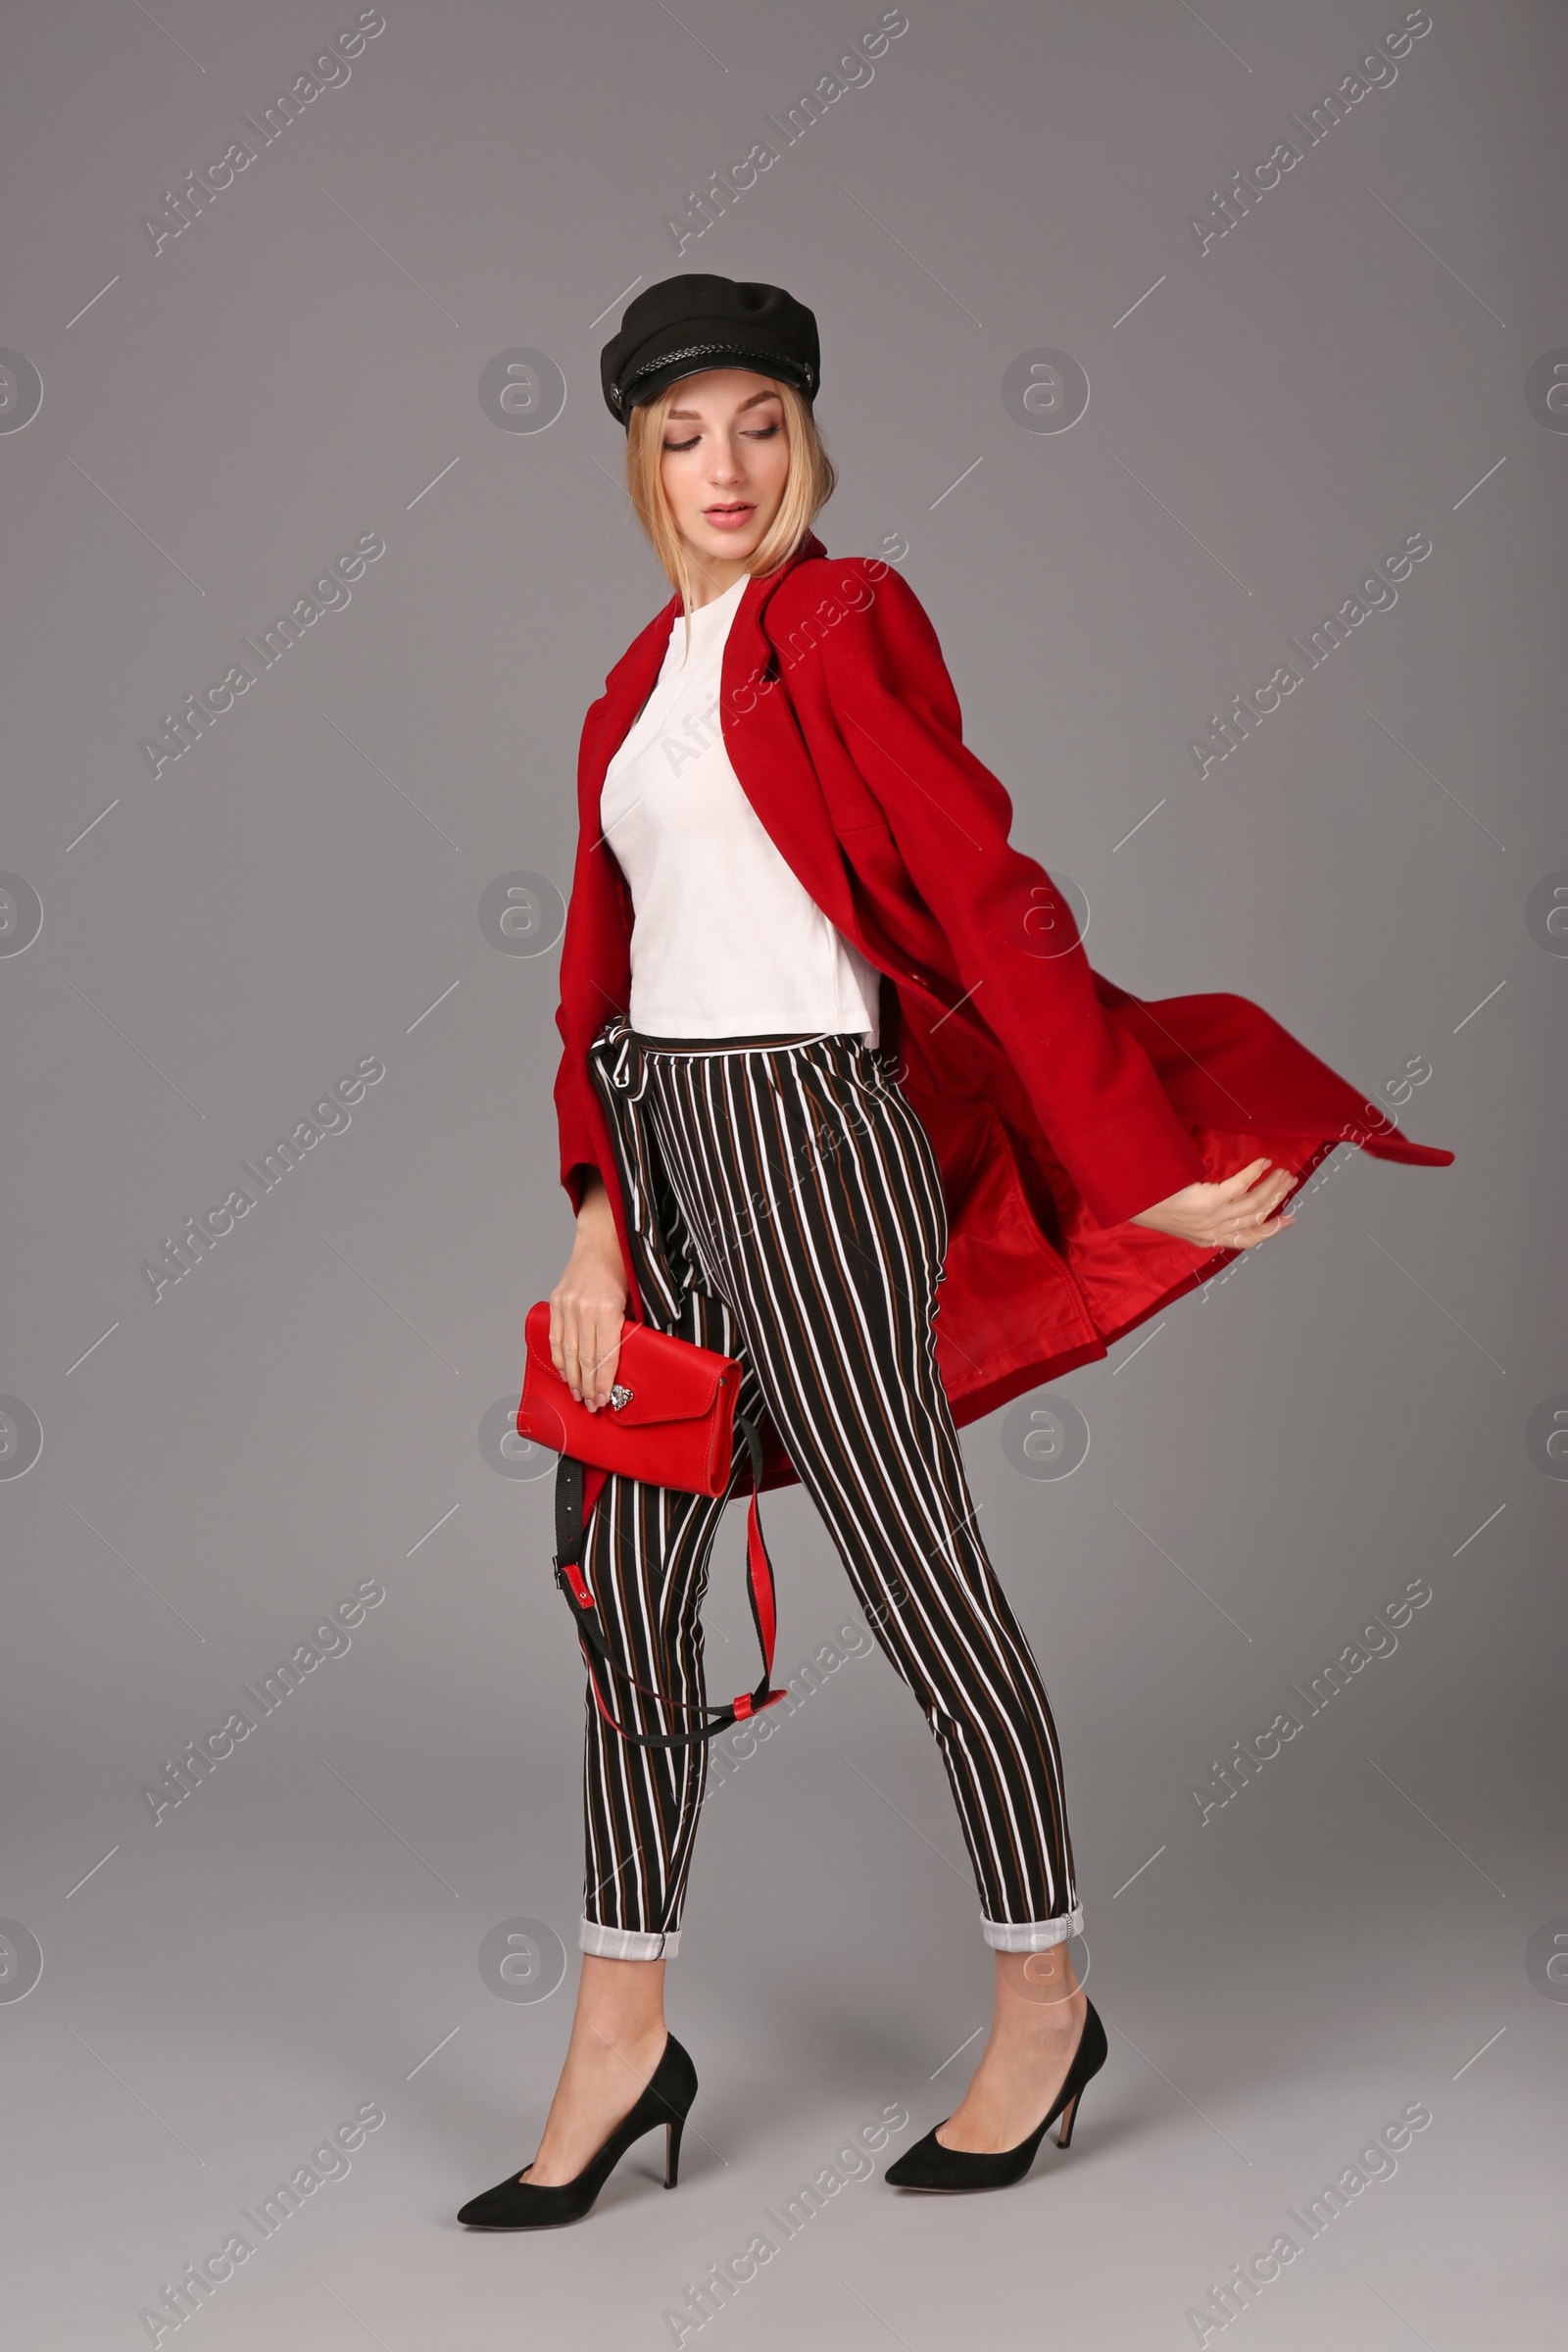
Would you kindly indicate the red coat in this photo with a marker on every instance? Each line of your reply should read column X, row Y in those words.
column 1057, row 1105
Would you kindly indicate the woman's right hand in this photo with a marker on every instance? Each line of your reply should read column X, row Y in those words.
column 588, row 1304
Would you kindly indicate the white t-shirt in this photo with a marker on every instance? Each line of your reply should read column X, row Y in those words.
column 725, row 941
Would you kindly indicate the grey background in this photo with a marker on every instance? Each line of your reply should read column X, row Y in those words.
column 304, row 1408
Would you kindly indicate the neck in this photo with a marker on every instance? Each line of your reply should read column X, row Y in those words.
column 711, row 577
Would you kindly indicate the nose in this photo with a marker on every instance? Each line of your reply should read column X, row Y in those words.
column 725, row 467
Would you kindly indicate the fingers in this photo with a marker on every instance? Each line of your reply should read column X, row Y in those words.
column 568, row 1361
column 1254, row 1195
column 1248, row 1238
column 1252, row 1189
column 586, row 1348
column 600, row 1353
column 1231, row 1187
column 607, row 1356
column 1248, row 1207
column 1244, row 1232
column 570, row 1345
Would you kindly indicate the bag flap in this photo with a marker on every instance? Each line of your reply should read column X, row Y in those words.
column 670, row 1379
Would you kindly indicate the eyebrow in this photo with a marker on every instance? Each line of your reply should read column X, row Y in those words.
column 695, row 415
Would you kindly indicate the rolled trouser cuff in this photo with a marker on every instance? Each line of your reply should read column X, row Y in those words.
column 627, row 1943
column 1031, row 1934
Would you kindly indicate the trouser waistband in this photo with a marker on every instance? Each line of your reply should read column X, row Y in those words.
column 728, row 1045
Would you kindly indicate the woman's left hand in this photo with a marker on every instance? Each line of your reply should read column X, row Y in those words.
column 1237, row 1214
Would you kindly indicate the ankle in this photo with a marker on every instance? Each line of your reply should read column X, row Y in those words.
column 1044, row 1980
column 1045, row 2022
column 625, row 2035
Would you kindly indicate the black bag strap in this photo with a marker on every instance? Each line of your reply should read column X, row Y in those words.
column 569, row 1535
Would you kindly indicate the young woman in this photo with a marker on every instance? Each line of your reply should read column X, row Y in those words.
column 831, row 1043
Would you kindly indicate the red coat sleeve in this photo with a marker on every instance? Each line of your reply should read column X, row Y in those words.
column 579, row 1147
column 1094, row 1089
column 595, row 980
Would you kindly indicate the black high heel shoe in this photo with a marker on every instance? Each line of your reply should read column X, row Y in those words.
column 517, row 2204
column 930, row 2165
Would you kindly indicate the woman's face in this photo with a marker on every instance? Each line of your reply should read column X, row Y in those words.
column 725, row 463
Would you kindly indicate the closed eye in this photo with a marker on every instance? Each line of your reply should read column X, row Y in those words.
column 761, row 433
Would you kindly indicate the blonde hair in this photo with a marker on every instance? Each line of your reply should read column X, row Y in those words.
column 810, row 485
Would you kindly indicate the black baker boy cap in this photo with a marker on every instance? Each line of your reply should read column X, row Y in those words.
column 685, row 324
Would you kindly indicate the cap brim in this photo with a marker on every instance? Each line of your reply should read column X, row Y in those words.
column 658, row 375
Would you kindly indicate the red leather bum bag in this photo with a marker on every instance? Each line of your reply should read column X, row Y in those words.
column 672, row 1422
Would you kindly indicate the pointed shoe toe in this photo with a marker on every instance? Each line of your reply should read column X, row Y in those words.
column 930, row 2165
column 905, row 2171
column 490, row 2209
column 517, row 2204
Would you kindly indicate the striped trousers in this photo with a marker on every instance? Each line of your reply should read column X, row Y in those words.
column 784, row 1206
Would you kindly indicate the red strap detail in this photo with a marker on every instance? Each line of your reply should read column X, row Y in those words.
column 747, row 1704
column 761, row 1571
column 571, row 1570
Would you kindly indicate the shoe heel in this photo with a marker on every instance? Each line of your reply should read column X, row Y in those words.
column 672, row 2133
column 1068, row 2117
